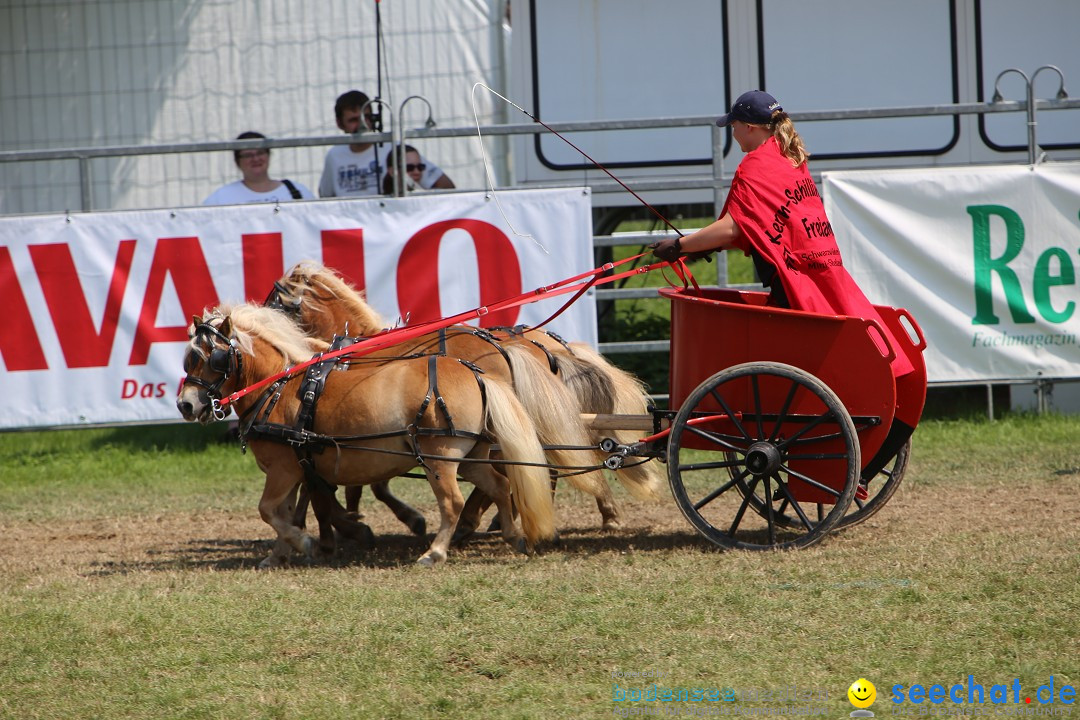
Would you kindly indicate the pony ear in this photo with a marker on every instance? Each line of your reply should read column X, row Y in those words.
column 195, row 320
column 226, row 327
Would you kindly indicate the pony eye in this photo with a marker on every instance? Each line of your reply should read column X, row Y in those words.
column 192, row 359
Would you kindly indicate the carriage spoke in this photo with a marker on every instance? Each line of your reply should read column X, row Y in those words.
column 715, row 438
column 784, row 410
column 795, row 506
column 757, row 407
column 807, row 428
column 733, row 416
column 719, row 491
column 812, row 482
column 749, row 492
column 710, row 465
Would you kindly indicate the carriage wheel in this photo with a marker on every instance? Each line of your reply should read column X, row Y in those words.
column 879, row 490
column 768, row 431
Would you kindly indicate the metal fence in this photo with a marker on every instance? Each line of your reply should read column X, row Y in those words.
column 716, row 180
column 600, row 187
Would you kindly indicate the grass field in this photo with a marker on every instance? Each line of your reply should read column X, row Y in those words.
column 128, row 590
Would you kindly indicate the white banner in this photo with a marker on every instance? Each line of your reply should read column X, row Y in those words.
column 984, row 258
column 97, row 305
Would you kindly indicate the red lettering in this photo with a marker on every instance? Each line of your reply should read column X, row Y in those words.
column 263, row 264
column 19, row 343
column 343, row 250
column 83, row 346
column 182, row 258
column 132, row 388
column 497, row 263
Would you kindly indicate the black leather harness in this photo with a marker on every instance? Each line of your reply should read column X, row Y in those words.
column 519, row 331
column 307, row 443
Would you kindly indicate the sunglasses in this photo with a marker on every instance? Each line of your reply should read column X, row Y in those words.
column 419, row 167
column 248, row 154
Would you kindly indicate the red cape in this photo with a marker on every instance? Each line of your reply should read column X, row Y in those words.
column 779, row 211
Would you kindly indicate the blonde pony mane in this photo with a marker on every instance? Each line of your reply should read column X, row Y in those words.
column 318, row 285
column 250, row 321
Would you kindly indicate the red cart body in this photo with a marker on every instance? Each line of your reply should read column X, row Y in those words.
column 717, row 328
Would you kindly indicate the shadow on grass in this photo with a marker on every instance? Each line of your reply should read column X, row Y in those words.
column 394, row 551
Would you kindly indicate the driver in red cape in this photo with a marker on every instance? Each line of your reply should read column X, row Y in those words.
column 774, row 214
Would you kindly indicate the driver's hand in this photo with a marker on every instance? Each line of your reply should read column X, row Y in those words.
column 668, row 250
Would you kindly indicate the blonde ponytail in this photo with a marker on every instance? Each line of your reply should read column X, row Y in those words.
column 787, row 137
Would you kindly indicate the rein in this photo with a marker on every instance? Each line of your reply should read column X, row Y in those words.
column 393, row 336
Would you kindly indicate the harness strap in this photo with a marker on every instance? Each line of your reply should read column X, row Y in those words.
column 494, row 342
column 311, row 389
column 558, row 338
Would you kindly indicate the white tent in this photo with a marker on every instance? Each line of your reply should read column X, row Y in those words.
column 118, row 73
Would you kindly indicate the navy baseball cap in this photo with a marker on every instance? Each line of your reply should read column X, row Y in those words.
column 755, row 107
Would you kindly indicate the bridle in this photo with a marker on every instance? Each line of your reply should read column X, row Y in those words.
column 226, row 361
column 276, row 300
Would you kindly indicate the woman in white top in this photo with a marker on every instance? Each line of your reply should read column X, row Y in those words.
column 257, row 185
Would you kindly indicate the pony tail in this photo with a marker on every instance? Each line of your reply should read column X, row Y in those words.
column 788, row 138
column 529, row 484
column 553, row 409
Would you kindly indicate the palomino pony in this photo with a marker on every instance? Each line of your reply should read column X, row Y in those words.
column 373, row 422
column 326, row 305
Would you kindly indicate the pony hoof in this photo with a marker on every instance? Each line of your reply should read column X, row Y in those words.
column 308, row 546
column 611, row 525
column 428, row 561
column 272, row 562
column 462, row 535
column 367, row 538
column 522, row 546
column 418, row 526
column 354, row 515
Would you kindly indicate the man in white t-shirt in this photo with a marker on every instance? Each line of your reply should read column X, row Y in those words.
column 352, row 169
column 256, row 185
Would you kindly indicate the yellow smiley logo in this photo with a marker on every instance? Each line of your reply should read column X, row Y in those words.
column 862, row 693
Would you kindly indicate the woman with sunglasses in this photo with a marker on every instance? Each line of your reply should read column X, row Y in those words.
column 256, row 185
column 419, row 174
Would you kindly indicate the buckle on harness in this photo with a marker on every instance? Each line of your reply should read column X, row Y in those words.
column 217, row 411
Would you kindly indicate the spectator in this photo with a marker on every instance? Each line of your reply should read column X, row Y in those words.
column 419, row 173
column 256, row 185
column 351, row 169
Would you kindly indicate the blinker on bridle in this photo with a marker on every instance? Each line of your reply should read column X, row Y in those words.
column 276, row 300
column 223, row 361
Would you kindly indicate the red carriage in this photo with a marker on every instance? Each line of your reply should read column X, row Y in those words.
column 788, row 424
